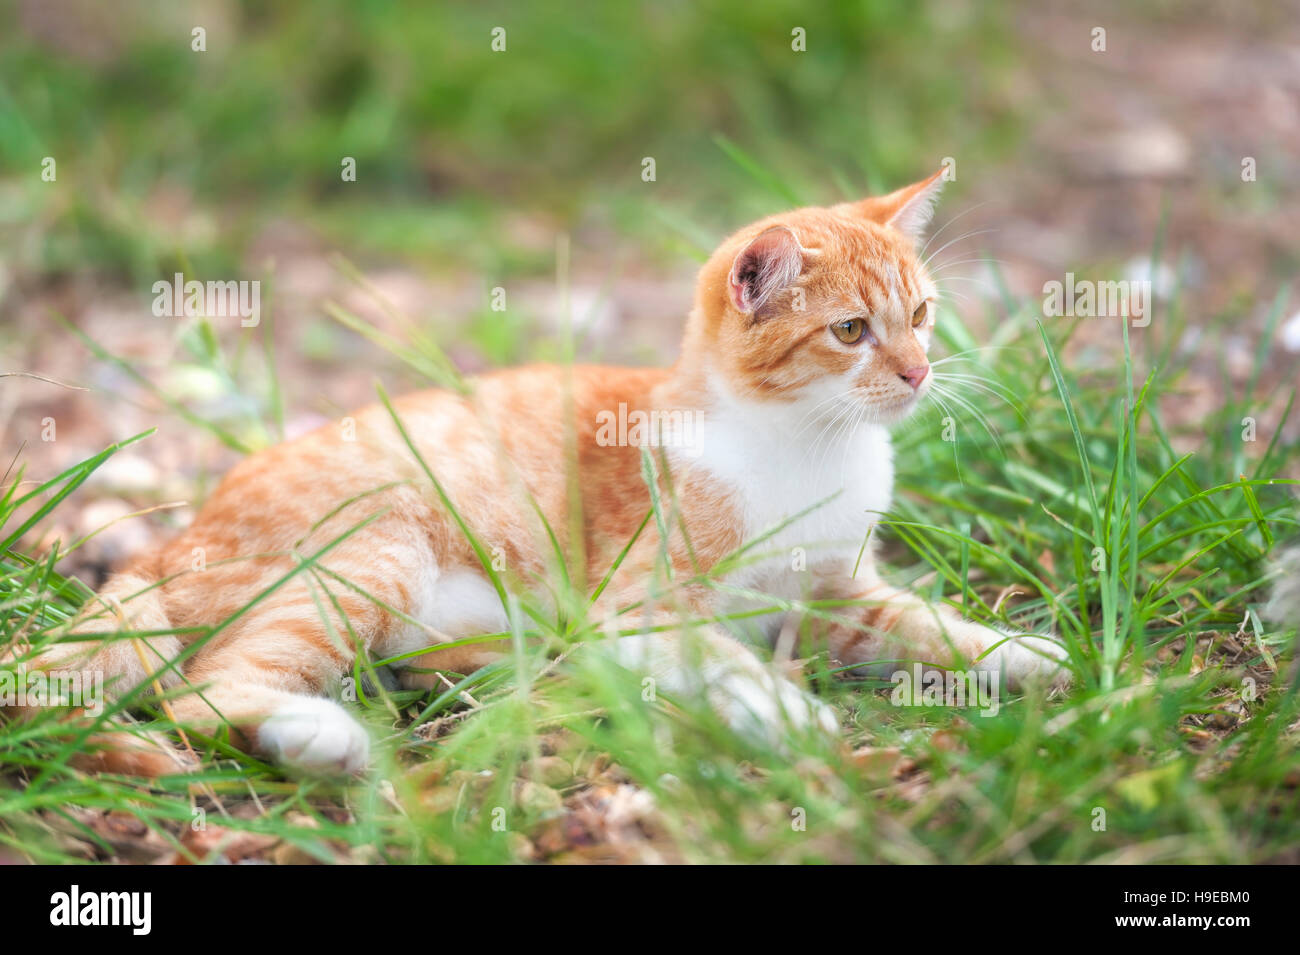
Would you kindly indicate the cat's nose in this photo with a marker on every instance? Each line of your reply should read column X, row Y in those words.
column 914, row 376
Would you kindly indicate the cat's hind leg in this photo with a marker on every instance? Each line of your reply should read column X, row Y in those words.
column 268, row 687
column 268, row 674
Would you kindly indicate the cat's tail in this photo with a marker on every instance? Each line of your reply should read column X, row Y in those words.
column 94, row 665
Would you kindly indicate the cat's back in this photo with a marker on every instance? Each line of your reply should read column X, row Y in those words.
column 505, row 426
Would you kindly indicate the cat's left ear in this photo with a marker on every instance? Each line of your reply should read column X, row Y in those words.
column 908, row 210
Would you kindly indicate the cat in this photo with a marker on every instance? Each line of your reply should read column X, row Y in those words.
column 808, row 339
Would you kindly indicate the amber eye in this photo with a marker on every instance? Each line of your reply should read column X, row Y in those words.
column 918, row 317
column 850, row 331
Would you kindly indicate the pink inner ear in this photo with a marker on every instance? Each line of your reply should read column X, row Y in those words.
column 770, row 262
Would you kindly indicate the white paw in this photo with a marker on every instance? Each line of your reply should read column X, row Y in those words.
column 1028, row 658
column 315, row 735
column 766, row 708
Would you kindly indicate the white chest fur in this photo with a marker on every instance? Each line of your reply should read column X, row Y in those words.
column 820, row 483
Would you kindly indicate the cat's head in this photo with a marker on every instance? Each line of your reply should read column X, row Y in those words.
column 823, row 305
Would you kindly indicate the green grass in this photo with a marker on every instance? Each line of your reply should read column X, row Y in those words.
column 1157, row 732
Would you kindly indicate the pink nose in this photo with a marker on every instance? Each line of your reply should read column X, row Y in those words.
column 914, row 376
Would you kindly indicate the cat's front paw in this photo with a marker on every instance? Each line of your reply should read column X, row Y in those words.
column 768, row 709
column 1028, row 659
column 315, row 735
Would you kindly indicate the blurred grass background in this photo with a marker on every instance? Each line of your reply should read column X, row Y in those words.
column 469, row 158
column 450, row 136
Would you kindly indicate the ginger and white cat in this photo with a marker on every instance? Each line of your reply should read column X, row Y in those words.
column 808, row 338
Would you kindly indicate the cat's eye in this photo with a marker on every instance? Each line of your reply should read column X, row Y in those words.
column 918, row 317
column 851, row 331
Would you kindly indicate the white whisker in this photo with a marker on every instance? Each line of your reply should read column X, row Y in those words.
column 926, row 262
column 943, row 227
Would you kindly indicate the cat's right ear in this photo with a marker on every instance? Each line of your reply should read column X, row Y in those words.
column 771, row 261
column 908, row 210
